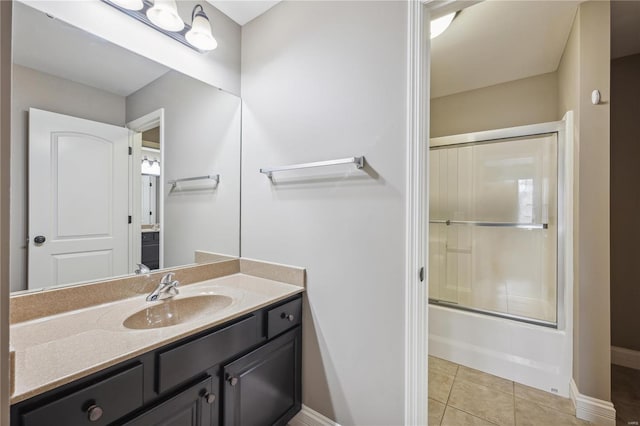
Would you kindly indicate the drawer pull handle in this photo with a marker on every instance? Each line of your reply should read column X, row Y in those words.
column 233, row 381
column 94, row 412
column 290, row 317
column 210, row 398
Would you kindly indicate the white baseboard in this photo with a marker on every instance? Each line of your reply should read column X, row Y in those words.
column 625, row 357
column 594, row 410
column 309, row 417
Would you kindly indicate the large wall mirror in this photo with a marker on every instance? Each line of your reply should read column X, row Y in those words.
column 116, row 160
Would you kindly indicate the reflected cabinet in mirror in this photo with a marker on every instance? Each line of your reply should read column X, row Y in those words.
column 115, row 160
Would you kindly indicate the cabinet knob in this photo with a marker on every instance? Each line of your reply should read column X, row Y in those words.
column 94, row 412
column 289, row 317
column 210, row 398
column 233, row 381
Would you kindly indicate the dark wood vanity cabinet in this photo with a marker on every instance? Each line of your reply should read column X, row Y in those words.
column 194, row 406
column 263, row 387
column 150, row 249
column 245, row 372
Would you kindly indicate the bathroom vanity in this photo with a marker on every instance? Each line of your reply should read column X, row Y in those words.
column 238, row 362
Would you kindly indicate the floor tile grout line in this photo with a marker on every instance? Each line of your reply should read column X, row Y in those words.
column 515, row 423
column 471, row 414
column 455, row 376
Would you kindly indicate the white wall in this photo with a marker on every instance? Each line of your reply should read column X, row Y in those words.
column 324, row 80
column 35, row 89
column 201, row 137
column 220, row 67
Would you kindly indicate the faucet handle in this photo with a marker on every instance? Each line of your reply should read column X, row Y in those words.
column 167, row 278
column 142, row 269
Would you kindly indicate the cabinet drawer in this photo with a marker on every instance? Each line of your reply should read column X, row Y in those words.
column 150, row 236
column 180, row 364
column 284, row 317
column 105, row 401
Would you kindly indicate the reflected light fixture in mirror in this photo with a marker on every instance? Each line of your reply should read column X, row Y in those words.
column 439, row 25
column 200, row 33
column 150, row 167
column 164, row 14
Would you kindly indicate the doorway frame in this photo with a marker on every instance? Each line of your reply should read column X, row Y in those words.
column 419, row 16
column 139, row 125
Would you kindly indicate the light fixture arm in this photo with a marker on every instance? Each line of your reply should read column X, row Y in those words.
column 201, row 11
column 180, row 36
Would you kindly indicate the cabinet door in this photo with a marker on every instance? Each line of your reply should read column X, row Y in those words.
column 264, row 387
column 194, row 406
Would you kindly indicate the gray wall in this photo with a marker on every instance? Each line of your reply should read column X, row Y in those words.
column 324, row 80
column 514, row 103
column 585, row 66
column 625, row 202
column 201, row 136
column 5, row 136
column 34, row 89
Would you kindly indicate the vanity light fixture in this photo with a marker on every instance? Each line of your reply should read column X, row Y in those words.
column 200, row 33
column 439, row 25
column 150, row 167
column 163, row 16
column 130, row 4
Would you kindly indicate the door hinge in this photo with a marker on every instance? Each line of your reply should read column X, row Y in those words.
column 421, row 274
column 130, row 151
column 129, row 219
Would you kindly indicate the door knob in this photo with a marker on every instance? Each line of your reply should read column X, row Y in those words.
column 40, row 239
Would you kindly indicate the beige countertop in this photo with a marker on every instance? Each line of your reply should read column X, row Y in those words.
column 58, row 349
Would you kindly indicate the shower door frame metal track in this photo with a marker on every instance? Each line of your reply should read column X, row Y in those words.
column 496, row 224
column 528, row 320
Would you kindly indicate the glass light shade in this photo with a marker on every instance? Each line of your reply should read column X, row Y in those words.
column 164, row 14
column 129, row 4
column 200, row 33
column 438, row 26
column 150, row 168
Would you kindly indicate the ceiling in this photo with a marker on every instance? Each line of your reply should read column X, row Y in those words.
column 243, row 11
column 625, row 21
column 54, row 47
column 498, row 41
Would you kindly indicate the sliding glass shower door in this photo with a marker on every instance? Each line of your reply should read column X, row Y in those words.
column 493, row 227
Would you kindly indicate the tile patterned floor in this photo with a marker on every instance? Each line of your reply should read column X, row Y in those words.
column 625, row 394
column 461, row 396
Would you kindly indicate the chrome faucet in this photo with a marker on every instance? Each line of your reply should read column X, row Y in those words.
column 168, row 286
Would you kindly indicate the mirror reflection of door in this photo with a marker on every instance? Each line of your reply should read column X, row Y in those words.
column 149, row 191
column 151, row 198
column 78, row 199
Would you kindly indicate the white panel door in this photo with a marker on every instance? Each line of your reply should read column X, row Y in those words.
column 78, row 199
